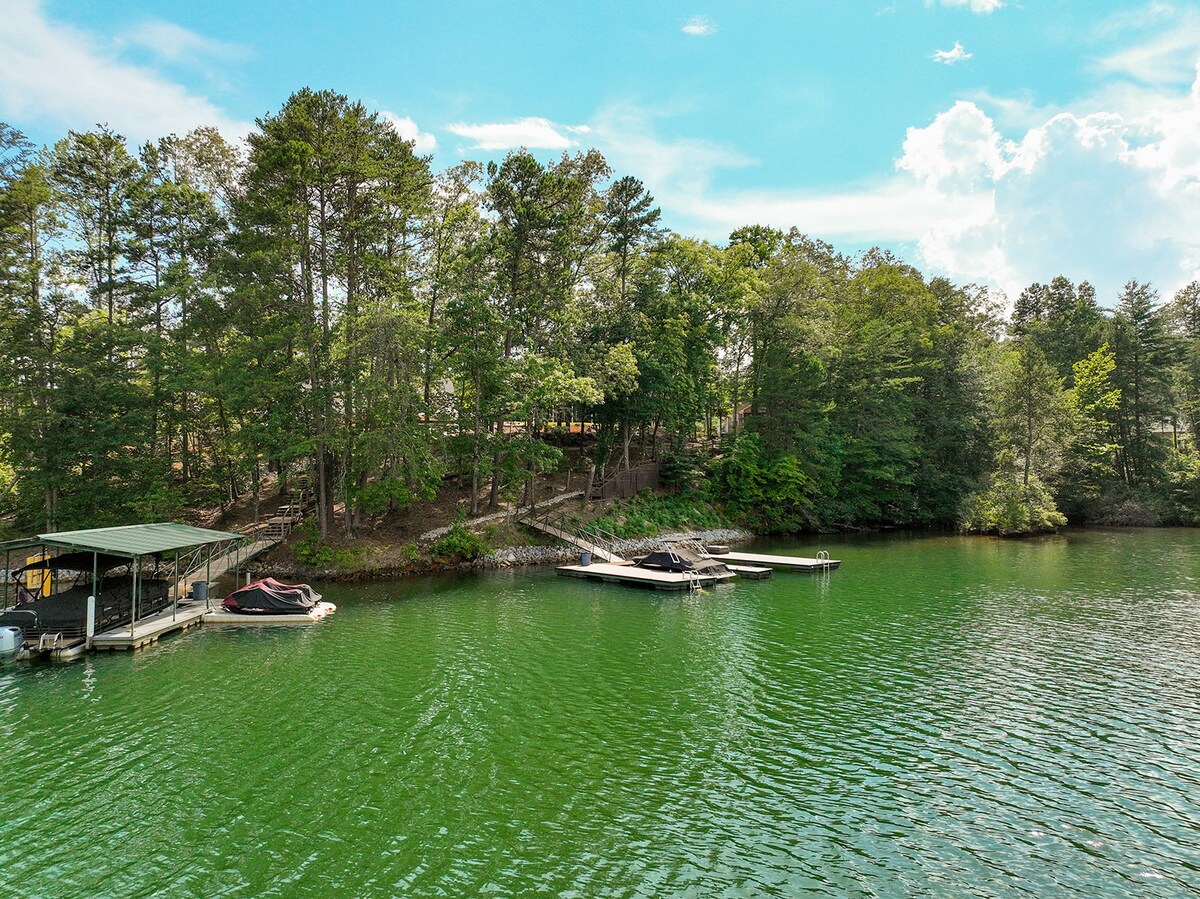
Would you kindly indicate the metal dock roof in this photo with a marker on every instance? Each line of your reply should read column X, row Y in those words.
column 137, row 539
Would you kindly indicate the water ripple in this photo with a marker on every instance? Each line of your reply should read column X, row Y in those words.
column 940, row 717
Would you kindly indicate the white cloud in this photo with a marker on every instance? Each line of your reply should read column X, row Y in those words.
column 681, row 174
column 626, row 136
column 174, row 43
column 1139, row 18
column 1092, row 195
column 66, row 77
column 1167, row 57
column 1104, row 192
column 957, row 53
column 1018, row 112
column 986, row 7
column 957, row 153
column 699, row 26
column 531, row 132
column 423, row 142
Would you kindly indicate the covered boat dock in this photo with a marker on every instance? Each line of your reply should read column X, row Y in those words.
column 125, row 586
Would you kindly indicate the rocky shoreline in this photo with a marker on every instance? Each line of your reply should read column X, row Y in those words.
column 508, row 557
column 516, row 556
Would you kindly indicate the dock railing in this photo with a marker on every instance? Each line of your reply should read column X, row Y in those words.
column 601, row 538
column 592, row 539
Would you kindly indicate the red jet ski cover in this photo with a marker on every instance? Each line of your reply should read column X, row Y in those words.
column 270, row 596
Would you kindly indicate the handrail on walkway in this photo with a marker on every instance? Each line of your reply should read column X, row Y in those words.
column 594, row 540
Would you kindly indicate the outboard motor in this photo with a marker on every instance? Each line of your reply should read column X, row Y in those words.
column 12, row 641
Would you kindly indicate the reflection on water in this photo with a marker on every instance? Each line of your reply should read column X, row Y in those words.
column 941, row 716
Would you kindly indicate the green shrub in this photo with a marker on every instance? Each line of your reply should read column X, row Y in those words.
column 1132, row 507
column 1011, row 508
column 459, row 544
column 681, row 470
column 1183, row 502
column 648, row 514
column 310, row 550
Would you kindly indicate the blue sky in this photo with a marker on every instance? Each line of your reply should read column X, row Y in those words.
column 994, row 141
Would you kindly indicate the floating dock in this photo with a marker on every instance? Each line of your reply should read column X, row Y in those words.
column 169, row 621
column 642, row 577
column 784, row 563
column 750, row 572
column 220, row 616
column 149, row 629
column 257, row 620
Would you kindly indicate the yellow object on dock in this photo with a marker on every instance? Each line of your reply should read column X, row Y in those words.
column 39, row 580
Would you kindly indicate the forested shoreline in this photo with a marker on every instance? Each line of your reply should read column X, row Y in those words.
column 182, row 320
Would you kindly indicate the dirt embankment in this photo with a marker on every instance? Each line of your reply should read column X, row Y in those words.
column 439, row 534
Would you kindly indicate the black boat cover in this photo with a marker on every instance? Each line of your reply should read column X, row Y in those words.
column 66, row 612
column 272, row 597
column 681, row 558
column 80, row 561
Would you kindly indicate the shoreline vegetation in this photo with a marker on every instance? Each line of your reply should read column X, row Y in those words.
column 638, row 525
column 193, row 330
column 434, row 559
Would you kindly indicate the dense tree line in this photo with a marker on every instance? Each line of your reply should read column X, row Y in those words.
column 181, row 319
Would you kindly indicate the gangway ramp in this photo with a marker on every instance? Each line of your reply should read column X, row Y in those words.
column 220, row 565
column 595, row 541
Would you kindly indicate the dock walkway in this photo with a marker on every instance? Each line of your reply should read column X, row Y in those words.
column 230, row 561
column 751, row 572
column 148, row 630
column 582, row 543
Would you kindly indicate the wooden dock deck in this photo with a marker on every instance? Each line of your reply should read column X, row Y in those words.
column 151, row 628
column 751, row 572
column 640, row 577
column 785, row 563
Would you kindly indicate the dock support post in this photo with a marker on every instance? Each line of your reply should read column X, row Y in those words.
column 133, row 596
column 95, row 582
column 91, row 620
column 175, row 586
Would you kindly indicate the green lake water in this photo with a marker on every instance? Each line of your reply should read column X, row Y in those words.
column 942, row 716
